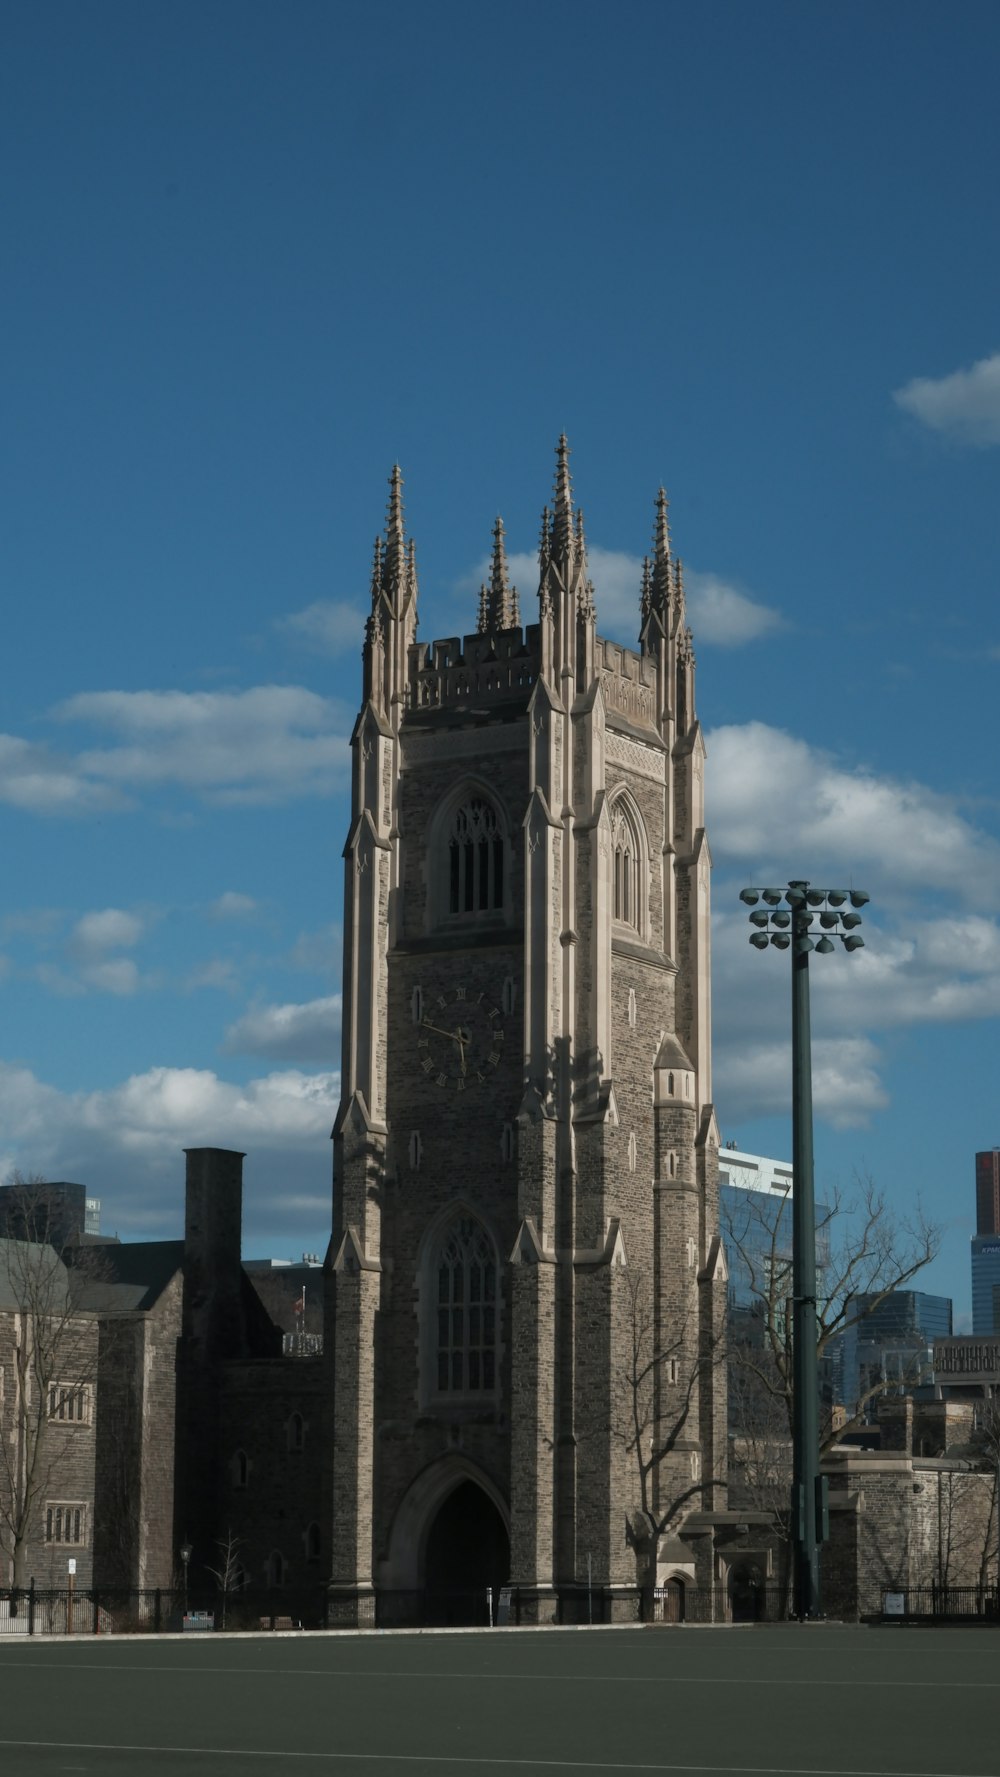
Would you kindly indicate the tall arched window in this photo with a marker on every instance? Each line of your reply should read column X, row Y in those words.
column 465, row 1278
column 628, row 866
column 475, row 858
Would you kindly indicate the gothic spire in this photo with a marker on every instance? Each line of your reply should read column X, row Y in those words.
column 394, row 565
column 498, row 607
column 647, row 588
column 662, row 587
column 585, row 589
column 376, row 572
column 562, row 503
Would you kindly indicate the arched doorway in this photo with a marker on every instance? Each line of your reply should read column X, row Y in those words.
column 467, row 1551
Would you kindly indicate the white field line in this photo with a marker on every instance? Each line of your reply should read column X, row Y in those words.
column 384, row 1675
column 526, row 1764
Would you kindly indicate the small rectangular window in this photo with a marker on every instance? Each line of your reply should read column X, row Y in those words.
column 69, row 1403
column 66, row 1524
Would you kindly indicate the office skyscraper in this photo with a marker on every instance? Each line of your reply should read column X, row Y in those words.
column 988, row 1191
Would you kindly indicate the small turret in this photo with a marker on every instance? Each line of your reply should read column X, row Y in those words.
column 498, row 602
column 392, row 625
column 565, row 595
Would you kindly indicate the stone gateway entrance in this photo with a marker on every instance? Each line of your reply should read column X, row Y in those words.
column 467, row 1551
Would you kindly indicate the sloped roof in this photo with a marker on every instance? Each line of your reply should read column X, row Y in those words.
column 133, row 1275
column 24, row 1261
column 673, row 1054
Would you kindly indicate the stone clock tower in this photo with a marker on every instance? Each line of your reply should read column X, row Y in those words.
column 526, row 1285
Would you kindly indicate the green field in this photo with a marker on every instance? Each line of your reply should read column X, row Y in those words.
column 841, row 1702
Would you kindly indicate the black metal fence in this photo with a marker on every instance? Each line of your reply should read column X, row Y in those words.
column 155, row 1611
column 941, row 1604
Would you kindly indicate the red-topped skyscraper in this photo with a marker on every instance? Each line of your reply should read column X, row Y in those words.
column 988, row 1191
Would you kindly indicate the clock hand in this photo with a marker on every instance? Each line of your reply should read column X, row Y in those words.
column 452, row 1035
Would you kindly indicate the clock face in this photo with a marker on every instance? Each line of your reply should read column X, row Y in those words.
column 460, row 1039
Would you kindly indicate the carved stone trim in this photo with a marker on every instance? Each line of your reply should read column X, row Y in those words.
column 645, row 761
column 632, row 699
column 430, row 749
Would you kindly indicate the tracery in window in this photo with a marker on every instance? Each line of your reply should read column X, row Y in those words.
column 628, row 866
column 466, row 1309
column 475, row 858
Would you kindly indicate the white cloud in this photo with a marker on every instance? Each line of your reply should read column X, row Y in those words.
column 268, row 744
column 116, row 974
column 778, row 805
column 307, row 1032
column 720, row 615
column 320, row 951
column 965, row 404
column 233, row 905
column 755, row 1080
column 125, row 1143
column 330, row 626
column 110, row 929
column 40, row 782
column 219, row 971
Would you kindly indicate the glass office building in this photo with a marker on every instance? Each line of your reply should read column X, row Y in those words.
column 985, row 1283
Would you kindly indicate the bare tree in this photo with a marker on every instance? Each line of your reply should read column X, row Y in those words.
column 656, row 1400
column 51, row 1346
column 229, row 1575
column 866, row 1251
column 761, row 1457
column 987, row 1441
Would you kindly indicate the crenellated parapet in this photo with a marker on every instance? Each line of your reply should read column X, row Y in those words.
column 628, row 684
column 459, row 671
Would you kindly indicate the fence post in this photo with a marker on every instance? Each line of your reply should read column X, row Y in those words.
column 97, row 1613
column 156, row 1611
column 31, row 1606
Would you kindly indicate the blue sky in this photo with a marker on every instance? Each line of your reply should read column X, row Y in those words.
column 256, row 253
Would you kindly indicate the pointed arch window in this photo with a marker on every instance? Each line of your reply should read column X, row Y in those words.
column 466, row 1310
column 475, row 858
column 628, row 863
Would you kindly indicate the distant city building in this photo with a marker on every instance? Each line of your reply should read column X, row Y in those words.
column 292, row 1292
column 985, row 1282
column 92, row 1215
column 54, row 1211
column 755, row 1215
column 967, row 1363
column 755, row 1218
column 988, row 1191
column 890, row 1347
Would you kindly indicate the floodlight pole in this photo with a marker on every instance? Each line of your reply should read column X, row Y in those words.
column 789, row 928
column 805, row 1385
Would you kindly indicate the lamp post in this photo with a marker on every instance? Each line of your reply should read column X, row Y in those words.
column 792, row 926
column 186, row 1552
